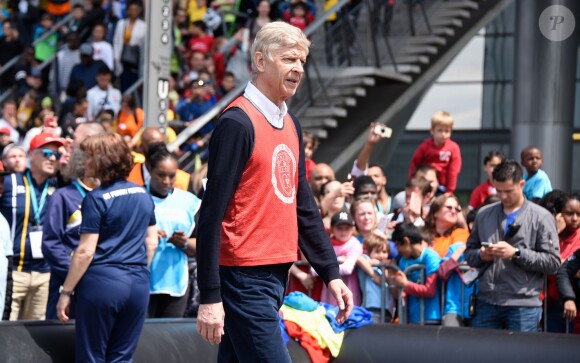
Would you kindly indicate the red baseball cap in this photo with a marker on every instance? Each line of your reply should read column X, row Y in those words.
column 45, row 139
column 5, row 130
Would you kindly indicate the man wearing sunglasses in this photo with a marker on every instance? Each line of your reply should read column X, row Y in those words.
column 23, row 204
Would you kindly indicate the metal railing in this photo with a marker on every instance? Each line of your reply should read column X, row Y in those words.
column 43, row 37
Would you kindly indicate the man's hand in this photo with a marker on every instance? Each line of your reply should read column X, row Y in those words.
column 501, row 249
column 343, row 297
column 210, row 322
column 569, row 310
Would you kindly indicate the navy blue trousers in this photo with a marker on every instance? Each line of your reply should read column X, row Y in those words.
column 252, row 297
column 111, row 307
column 56, row 281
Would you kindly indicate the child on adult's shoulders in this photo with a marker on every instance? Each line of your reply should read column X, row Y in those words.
column 537, row 181
column 440, row 151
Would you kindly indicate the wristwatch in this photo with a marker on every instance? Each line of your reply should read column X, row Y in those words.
column 517, row 254
column 62, row 291
column 184, row 248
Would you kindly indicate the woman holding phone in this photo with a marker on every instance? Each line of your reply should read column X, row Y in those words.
column 175, row 212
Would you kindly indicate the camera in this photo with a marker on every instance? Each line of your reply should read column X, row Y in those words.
column 383, row 131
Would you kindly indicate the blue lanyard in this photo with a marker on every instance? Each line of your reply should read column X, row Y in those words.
column 80, row 188
column 36, row 208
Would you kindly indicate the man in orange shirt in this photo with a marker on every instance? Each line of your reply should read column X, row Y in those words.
column 140, row 173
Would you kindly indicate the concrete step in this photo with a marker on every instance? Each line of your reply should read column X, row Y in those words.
column 347, row 91
column 355, row 81
column 410, row 59
column 316, row 122
column 444, row 21
column 442, row 30
column 459, row 5
column 318, row 132
column 452, row 13
column 418, row 49
column 337, row 101
column 403, row 68
column 425, row 39
column 325, row 111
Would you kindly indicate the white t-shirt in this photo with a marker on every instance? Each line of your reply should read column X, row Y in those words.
column 99, row 99
column 104, row 51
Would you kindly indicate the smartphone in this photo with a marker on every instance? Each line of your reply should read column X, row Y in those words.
column 383, row 131
column 486, row 243
column 383, row 223
column 415, row 203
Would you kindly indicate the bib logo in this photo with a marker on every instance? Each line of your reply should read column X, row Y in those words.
column 444, row 155
column 283, row 173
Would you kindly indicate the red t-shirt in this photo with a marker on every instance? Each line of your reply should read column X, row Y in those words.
column 202, row 44
column 446, row 159
column 481, row 192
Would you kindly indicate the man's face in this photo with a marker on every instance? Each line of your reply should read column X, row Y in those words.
column 511, row 194
column 532, row 160
column 9, row 111
column 98, row 33
column 39, row 162
column 15, row 160
column 4, row 139
column 103, row 80
column 431, row 177
column 490, row 165
column 320, row 174
column 197, row 61
column 378, row 177
column 440, row 134
column 228, row 83
column 280, row 75
column 367, row 191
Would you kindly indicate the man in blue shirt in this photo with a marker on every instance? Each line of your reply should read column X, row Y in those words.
column 23, row 204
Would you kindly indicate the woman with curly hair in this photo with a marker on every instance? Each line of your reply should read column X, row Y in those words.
column 109, row 276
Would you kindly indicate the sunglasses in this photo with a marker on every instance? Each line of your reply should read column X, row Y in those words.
column 47, row 153
column 452, row 208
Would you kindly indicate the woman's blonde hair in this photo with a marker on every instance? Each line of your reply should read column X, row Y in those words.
column 277, row 35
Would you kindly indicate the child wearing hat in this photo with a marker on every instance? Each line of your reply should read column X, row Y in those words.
column 347, row 249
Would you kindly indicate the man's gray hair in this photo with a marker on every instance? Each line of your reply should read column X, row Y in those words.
column 277, row 35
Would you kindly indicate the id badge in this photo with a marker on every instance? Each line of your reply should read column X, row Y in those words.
column 35, row 236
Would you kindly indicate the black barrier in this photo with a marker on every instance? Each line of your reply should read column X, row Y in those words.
column 413, row 343
column 162, row 340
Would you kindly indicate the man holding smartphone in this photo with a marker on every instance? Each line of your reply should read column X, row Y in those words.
column 514, row 243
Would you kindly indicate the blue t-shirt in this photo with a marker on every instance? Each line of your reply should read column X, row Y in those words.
column 120, row 213
column 22, row 218
column 537, row 186
column 431, row 260
column 453, row 291
column 61, row 228
column 169, row 274
column 372, row 292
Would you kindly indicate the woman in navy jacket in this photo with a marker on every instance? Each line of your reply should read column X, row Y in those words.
column 109, row 276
